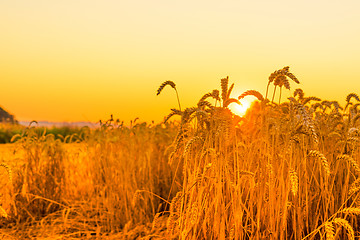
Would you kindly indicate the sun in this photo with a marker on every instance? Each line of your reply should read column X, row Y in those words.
column 240, row 109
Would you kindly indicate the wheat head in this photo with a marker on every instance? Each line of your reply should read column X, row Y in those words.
column 322, row 158
column 345, row 224
column 164, row 84
column 329, row 231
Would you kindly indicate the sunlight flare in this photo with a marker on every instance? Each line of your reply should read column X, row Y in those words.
column 241, row 109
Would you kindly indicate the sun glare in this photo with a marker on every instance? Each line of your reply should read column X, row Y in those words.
column 241, row 109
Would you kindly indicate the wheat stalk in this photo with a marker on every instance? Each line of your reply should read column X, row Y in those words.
column 224, row 88
column 171, row 84
column 317, row 105
column 308, row 99
column 355, row 187
column 155, row 223
column 232, row 232
column 3, row 213
column 192, row 142
column 299, row 92
column 352, row 95
column 214, row 94
column 229, row 91
column 244, row 172
column 292, row 77
column 351, row 161
column 322, row 158
column 351, row 210
column 329, row 231
column 8, row 169
column 294, row 181
column 231, row 100
column 173, row 113
column 306, row 118
column 164, row 84
column 354, row 120
column 349, row 97
column 279, row 77
column 253, row 93
column 203, row 104
column 194, row 213
column 345, row 224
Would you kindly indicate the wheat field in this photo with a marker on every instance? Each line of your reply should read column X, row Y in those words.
column 288, row 169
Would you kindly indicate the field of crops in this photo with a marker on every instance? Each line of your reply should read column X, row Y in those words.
column 288, row 169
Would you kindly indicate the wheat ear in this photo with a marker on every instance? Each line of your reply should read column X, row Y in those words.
column 351, row 210
column 348, row 99
column 299, row 92
column 352, row 95
column 355, row 187
column 8, row 169
column 173, row 85
column 345, row 224
column 294, row 180
column 322, row 158
column 351, row 161
column 329, row 231
column 224, row 88
column 253, row 93
column 190, row 143
column 308, row 121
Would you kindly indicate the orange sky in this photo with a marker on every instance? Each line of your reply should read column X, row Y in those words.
column 82, row 60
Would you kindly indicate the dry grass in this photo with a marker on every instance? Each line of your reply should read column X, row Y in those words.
column 283, row 171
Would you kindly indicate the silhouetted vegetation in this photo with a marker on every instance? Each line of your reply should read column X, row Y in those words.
column 286, row 170
column 6, row 117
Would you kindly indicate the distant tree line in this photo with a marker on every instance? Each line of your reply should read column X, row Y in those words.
column 6, row 117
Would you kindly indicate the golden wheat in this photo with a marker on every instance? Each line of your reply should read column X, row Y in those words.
column 164, row 84
column 194, row 213
column 299, row 92
column 316, row 154
column 224, row 88
column 214, row 94
column 351, row 210
column 355, row 187
column 345, row 224
column 173, row 112
column 190, row 143
column 355, row 119
column 294, row 182
column 3, row 213
column 292, row 77
column 229, row 91
column 255, row 93
column 173, row 85
column 307, row 120
column 264, row 177
column 351, row 161
column 329, row 231
column 352, row 95
column 308, row 99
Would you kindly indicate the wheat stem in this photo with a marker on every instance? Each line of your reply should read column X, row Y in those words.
column 177, row 96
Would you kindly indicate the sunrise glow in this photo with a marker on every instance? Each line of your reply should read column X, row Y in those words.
column 240, row 110
column 119, row 119
column 84, row 60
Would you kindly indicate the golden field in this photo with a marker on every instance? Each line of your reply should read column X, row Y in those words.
column 285, row 170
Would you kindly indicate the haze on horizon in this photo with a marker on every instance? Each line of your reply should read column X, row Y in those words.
column 84, row 60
